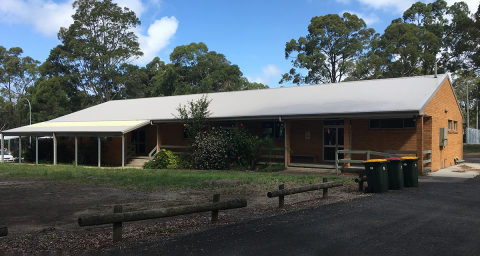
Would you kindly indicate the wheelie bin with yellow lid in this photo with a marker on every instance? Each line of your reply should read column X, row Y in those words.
column 395, row 173
column 377, row 175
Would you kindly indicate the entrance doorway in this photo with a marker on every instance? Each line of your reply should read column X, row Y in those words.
column 138, row 139
column 333, row 138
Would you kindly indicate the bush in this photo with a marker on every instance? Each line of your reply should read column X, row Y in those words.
column 210, row 150
column 165, row 159
column 244, row 148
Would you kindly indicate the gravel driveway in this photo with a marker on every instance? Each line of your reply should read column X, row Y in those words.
column 437, row 218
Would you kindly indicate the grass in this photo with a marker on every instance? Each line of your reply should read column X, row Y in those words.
column 471, row 148
column 156, row 180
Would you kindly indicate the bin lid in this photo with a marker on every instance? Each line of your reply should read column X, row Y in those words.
column 410, row 158
column 374, row 161
column 394, row 159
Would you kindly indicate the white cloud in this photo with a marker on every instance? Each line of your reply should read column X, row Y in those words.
column 158, row 37
column 397, row 7
column 343, row 1
column 47, row 17
column 368, row 18
column 269, row 72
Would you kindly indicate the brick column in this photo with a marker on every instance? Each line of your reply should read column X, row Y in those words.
column 287, row 141
column 419, row 134
column 346, row 136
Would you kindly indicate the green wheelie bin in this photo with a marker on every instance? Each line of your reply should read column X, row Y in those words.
column 410, row 171
column 377, row 175
column 395, row 173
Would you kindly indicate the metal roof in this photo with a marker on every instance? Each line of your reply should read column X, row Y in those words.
column 382, row 97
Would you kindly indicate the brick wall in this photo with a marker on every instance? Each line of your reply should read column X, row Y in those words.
column 364, row 138
column 302, row 146
column 443, row 107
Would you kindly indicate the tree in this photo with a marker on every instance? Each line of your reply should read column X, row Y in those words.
column 329, row 50
column 16, row 75
column 462, row 80
column 48, row 100
column 98, row 43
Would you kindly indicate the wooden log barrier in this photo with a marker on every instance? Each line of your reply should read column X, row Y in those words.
column 216, row 198
column 3, row 231
column 159, row 213
column 290, row 191
column 360, row 180
column 117, row 226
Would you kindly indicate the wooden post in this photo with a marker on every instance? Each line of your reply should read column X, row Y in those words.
column 117, row 226
column 360, row 184
column 325, row 190
column 216, row 198
column 54, row 149
column 36, row 150
column 281, row 199
column 3, row 229
column 19, row 149
column 76, row 151
column 99, row 152
column 123, row 150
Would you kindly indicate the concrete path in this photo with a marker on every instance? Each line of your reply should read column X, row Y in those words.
column 440, row 217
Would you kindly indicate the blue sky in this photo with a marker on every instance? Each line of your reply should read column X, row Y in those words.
column 251, row 34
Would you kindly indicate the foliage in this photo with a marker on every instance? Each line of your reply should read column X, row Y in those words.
column 462, row 80
column 328, row 51
column 48, row 100
column 244, row 148
column 193, row 116
column 165, row 159
column 98, row 43
column 16, row 75
column 210, row 150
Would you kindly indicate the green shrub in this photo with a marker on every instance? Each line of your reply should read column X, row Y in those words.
column 244, row 148
column 165, row 159
column 210, row 150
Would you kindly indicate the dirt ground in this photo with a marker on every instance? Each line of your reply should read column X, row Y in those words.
column 41, row 216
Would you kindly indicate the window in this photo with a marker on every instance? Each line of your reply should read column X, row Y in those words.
column 274, row 129
column 64, row 138
column 333, row 122
column 454, row 125
column 392, row 123
column 449, row 124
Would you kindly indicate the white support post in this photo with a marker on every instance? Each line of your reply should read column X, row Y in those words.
column 286, row 155
column 36, row 149
column 19, row 149
column 3, row 142
column 54, row 149
column 76, row 151
column 99, row 152
column 123, row 150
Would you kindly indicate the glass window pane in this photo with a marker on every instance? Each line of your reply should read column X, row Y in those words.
column 341, row 136
column 134, row 137
column 279, row 130
column 141, row 136
column 329, row 136
column 268, row 129
column 408, row 123
column 375, row 123
column 392, row 123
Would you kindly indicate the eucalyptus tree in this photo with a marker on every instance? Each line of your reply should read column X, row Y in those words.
column 98, row 43
column 17, row 73
column 329, row 50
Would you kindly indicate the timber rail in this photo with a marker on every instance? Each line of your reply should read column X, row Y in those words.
column 282, row 192
column 118, row 217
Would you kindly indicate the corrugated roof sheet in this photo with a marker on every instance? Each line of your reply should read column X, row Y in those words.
column 398, row 95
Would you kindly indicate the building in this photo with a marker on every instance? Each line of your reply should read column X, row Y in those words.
column 400, row 114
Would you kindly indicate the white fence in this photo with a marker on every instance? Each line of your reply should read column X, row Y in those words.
column 473, row 136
